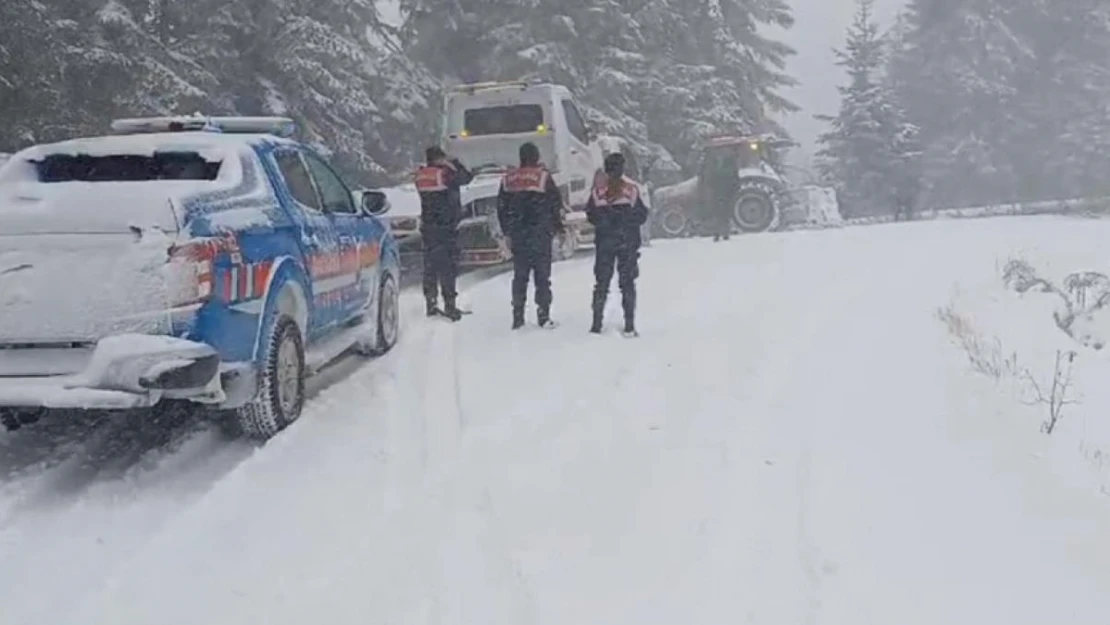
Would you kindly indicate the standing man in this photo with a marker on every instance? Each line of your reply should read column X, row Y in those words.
column 530, row 210
column 439, row 182
column 719, row 184
column 617, row 212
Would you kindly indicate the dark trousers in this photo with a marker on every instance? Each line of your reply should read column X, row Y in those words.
column 721, row 221
column 625, row 261
column 441, row 264
column 532, row 261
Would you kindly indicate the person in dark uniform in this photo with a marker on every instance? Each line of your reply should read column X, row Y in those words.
column 617, row 212
column 530, row 211
column 718, row 186
column 439, row 182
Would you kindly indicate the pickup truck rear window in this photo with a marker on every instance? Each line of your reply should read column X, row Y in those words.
column 126, row 167
column 495, row 120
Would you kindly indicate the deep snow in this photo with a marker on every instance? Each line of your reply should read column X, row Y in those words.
column 794, row 439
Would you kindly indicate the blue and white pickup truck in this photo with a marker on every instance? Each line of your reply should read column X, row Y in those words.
column 199, row 259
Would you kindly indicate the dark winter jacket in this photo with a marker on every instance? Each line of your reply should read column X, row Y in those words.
column 617, row 212
column 439, row 185
column 529, row 206
column 718, row 184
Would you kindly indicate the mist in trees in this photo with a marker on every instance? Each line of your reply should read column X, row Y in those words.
column 974, row 102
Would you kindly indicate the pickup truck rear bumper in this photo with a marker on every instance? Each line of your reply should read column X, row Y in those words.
column 134, row 371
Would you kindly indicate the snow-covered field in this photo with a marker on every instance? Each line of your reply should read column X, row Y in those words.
column 795, row 439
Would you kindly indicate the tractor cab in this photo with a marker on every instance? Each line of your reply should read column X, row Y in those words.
column 749, row 154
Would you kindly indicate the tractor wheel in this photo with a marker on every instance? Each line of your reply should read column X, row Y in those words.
column 673, row 222
column 755, row 208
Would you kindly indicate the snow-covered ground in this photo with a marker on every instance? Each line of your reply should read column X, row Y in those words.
column 794, row 439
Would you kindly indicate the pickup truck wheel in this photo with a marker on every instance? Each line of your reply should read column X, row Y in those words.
column 389, row 315
column 281, row 388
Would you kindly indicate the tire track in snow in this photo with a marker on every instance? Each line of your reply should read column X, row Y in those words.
column 784, row 588
column 806, row 578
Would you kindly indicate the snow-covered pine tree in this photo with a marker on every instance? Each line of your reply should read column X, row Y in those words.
column 867, row 153
column 956, row 73
column 1063, row 98
column 32, row 56
column 148, row 76
column 329, row 65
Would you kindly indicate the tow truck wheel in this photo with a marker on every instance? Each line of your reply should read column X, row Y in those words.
column 566, row 244
column 282, row 385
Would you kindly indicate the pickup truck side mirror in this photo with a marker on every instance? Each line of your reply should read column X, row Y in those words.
column 374, row 203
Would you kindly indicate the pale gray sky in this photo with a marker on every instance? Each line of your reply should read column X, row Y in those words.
column 819, row 27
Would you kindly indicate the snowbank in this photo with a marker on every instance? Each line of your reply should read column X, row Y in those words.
column 1023, row 332
column 805, row 446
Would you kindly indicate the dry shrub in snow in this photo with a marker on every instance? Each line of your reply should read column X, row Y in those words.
column 1055, row 396
column 988, row 357
column 1083, row 293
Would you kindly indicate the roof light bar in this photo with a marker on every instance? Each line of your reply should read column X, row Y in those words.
column 277, row 126
column 473, row 88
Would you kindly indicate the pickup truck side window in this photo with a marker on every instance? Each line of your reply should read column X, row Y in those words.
column 575, row 124
column 297, row 179
column 337, row 197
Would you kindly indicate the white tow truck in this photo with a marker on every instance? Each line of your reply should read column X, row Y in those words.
column 484, row 125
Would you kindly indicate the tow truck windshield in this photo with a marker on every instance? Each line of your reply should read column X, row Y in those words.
column 496, row 120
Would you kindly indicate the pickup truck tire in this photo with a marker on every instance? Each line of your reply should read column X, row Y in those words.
column 389, row 315
column 281, row 391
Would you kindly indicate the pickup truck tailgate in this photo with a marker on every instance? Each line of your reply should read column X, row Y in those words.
column 57, row 288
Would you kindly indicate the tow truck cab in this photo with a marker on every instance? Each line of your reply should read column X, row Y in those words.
column 485, row 124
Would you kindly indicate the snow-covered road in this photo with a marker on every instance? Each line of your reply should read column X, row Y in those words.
column 793, row 440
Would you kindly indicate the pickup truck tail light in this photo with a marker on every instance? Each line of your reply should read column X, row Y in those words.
column 192, row 273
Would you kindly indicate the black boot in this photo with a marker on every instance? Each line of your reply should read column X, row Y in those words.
column 518, row 317
column 628, row 303
column 630, row 326
column 543, row 318
column 596, row 327
column 599, row 310
column 450, row 310
column 431, row 308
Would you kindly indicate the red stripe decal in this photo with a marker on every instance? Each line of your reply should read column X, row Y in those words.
column 261, row 275
column 228, row 291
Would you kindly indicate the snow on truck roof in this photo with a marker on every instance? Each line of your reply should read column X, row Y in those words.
column 209, row 146
column 213, row 138
column 478, row 87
